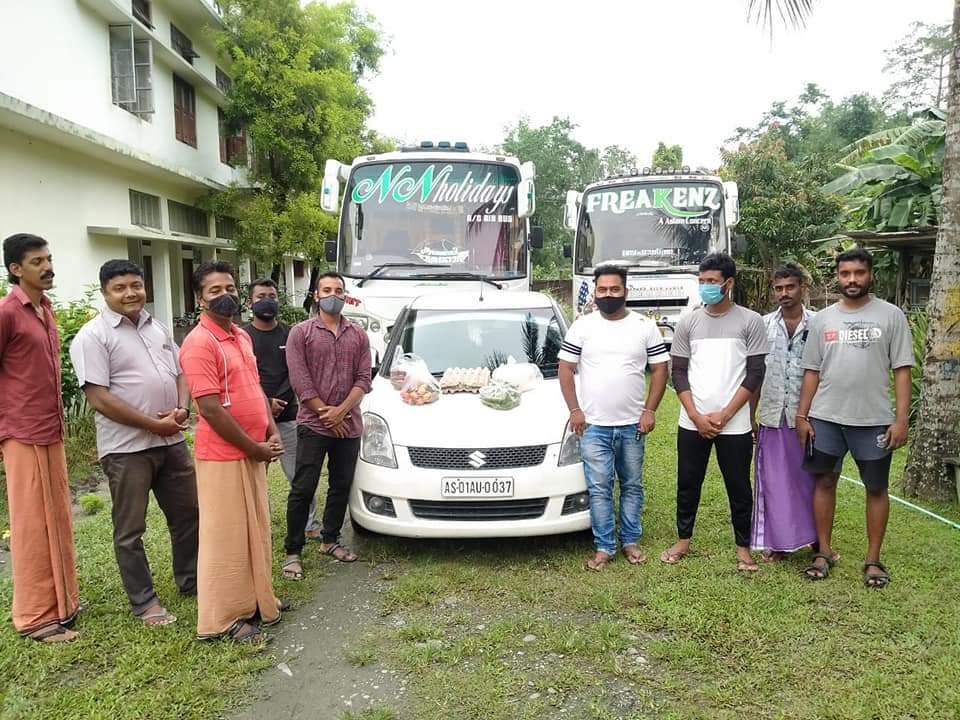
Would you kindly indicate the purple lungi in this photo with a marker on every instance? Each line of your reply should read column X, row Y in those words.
column 783, row 494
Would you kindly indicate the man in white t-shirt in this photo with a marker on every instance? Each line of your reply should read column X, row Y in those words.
column 612, row 349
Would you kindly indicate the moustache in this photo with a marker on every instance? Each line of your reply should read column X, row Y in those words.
column 49, row 275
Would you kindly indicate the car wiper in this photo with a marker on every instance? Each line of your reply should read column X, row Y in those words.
column 386, row 266
column 457, row 276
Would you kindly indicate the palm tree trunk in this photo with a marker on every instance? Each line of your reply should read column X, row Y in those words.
column 937, row 433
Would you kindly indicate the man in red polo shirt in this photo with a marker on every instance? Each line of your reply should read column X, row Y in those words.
column 236, row 437
column 45, row 595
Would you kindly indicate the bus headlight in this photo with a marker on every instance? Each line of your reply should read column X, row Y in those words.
column 569, row 448
column 376, row 446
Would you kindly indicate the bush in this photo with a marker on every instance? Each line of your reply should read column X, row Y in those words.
column 290, row 315
column 91, row 504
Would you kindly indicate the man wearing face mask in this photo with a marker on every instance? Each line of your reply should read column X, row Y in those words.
column 718, row 356
column 612, row 349
column 269, row 337
column 236, row 438
column 329, row 361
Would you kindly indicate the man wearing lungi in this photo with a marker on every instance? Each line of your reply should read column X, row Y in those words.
column 783, row 492
column 236, row 436
column 45, row 595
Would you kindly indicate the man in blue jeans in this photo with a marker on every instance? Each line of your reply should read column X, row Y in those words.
column 612, row 349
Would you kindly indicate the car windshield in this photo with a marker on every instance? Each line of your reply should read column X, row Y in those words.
column 483, row 338
column 420, row 218
column 655, row 225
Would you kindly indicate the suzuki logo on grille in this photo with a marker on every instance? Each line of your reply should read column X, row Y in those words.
column 476, row 459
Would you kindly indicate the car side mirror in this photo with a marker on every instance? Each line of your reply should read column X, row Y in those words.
column 330, row 251
column 536, row 237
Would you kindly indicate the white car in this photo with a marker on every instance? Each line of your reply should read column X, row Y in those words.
column 455, row 467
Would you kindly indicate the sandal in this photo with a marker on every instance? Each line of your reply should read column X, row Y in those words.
column 598, row 562
column 346, row 555
column 875, row 580
column 157, row 617
column 747, row 566
column 287, row 568
column 53, row 634
column 819, row 572
column 672, row 558
column 633, row 556
column 243, row 632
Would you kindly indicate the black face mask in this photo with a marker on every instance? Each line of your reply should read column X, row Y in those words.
column 610, row 304
column 225, row 305
column 266, row 309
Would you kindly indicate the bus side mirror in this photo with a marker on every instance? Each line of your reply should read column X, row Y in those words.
column 567, row 252
column 330, row 189
column 526, row 198
column 731, row 208
column 330, row 251
column 536, row 237
column 570, row 209
column 739, row 244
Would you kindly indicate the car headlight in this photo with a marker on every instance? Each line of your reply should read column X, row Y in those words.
column 376, row 446
column 569, row 448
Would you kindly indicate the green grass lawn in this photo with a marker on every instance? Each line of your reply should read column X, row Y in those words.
column 498, row 630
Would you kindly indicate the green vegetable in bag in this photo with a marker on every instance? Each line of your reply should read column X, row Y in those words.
column 500, row 396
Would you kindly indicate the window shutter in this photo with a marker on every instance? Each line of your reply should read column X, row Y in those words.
column 143, row 60
column 122, row 73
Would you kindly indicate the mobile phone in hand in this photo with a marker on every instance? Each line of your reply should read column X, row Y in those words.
column 809, row 448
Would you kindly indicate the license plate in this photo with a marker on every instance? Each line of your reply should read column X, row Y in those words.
column 490, row 487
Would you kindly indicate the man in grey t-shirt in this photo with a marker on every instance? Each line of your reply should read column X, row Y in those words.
column 844, row 405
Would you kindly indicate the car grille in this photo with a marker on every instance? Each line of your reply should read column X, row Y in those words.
column 468, row 458
column 478, row 510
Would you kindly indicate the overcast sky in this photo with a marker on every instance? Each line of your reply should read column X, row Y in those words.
column 626, row 72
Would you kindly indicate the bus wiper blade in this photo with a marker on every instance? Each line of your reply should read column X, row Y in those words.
column 458, row 276
column 386, row 266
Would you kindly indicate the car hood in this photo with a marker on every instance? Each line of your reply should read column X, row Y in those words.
column 461, row 420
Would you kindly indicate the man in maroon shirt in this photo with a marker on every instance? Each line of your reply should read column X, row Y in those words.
column 45, row 595
column 329, row 362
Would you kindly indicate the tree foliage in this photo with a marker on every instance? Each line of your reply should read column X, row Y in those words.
column 920, row 64
column 563, row 163
column 667, row 157
column 296, row 89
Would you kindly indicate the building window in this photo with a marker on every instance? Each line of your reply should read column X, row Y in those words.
column 226, row 228
column 182, row 44
column 187, row 219
column 148, row 277
column 141, row 11
column 131, row 61
column 299, row 268
column 233, row 144
column 184, row 111
column 223, row 81
column 145, row 210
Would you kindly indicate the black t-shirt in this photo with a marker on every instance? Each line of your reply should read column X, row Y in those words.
column 270, row 347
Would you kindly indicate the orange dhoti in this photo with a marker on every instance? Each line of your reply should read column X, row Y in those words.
column 41, row 536
column 234, row 561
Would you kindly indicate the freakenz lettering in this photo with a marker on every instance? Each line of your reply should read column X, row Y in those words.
column 397, row 184
column 682, row 201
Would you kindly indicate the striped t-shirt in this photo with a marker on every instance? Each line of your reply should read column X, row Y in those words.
column 718, row 347
column 612, row 356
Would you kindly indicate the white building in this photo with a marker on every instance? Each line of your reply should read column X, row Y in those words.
column 110, row 132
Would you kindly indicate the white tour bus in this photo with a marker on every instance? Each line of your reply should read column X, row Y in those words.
column 428, row 218
column 658, row 225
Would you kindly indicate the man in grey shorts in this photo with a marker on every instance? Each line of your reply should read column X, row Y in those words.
column 845, row 405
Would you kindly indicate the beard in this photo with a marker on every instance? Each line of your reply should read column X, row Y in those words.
column 854, row 291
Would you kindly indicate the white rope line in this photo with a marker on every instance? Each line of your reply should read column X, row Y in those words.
column 910, row 505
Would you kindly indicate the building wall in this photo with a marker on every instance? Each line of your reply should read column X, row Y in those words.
column 56, row 193
column 55, row 55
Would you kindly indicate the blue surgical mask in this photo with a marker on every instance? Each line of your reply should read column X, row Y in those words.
column 711, row 294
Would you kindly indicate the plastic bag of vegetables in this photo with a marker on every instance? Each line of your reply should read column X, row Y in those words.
column 500, row 396
column 523, row 376
column 419, row 386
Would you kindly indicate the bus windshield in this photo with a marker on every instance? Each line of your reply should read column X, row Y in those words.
column 449, row 217
column 650, row 225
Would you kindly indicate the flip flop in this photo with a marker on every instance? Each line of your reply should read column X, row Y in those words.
column 747, row 567
column 634, row 558
column 292, row 575
column 157, row 618
column 47, row 635
column 672, row 558
column 332, row 552
column 595, row 565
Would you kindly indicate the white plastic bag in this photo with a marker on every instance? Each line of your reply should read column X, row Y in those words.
column 523, row 376
column 401, row 366
column 419, row 386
